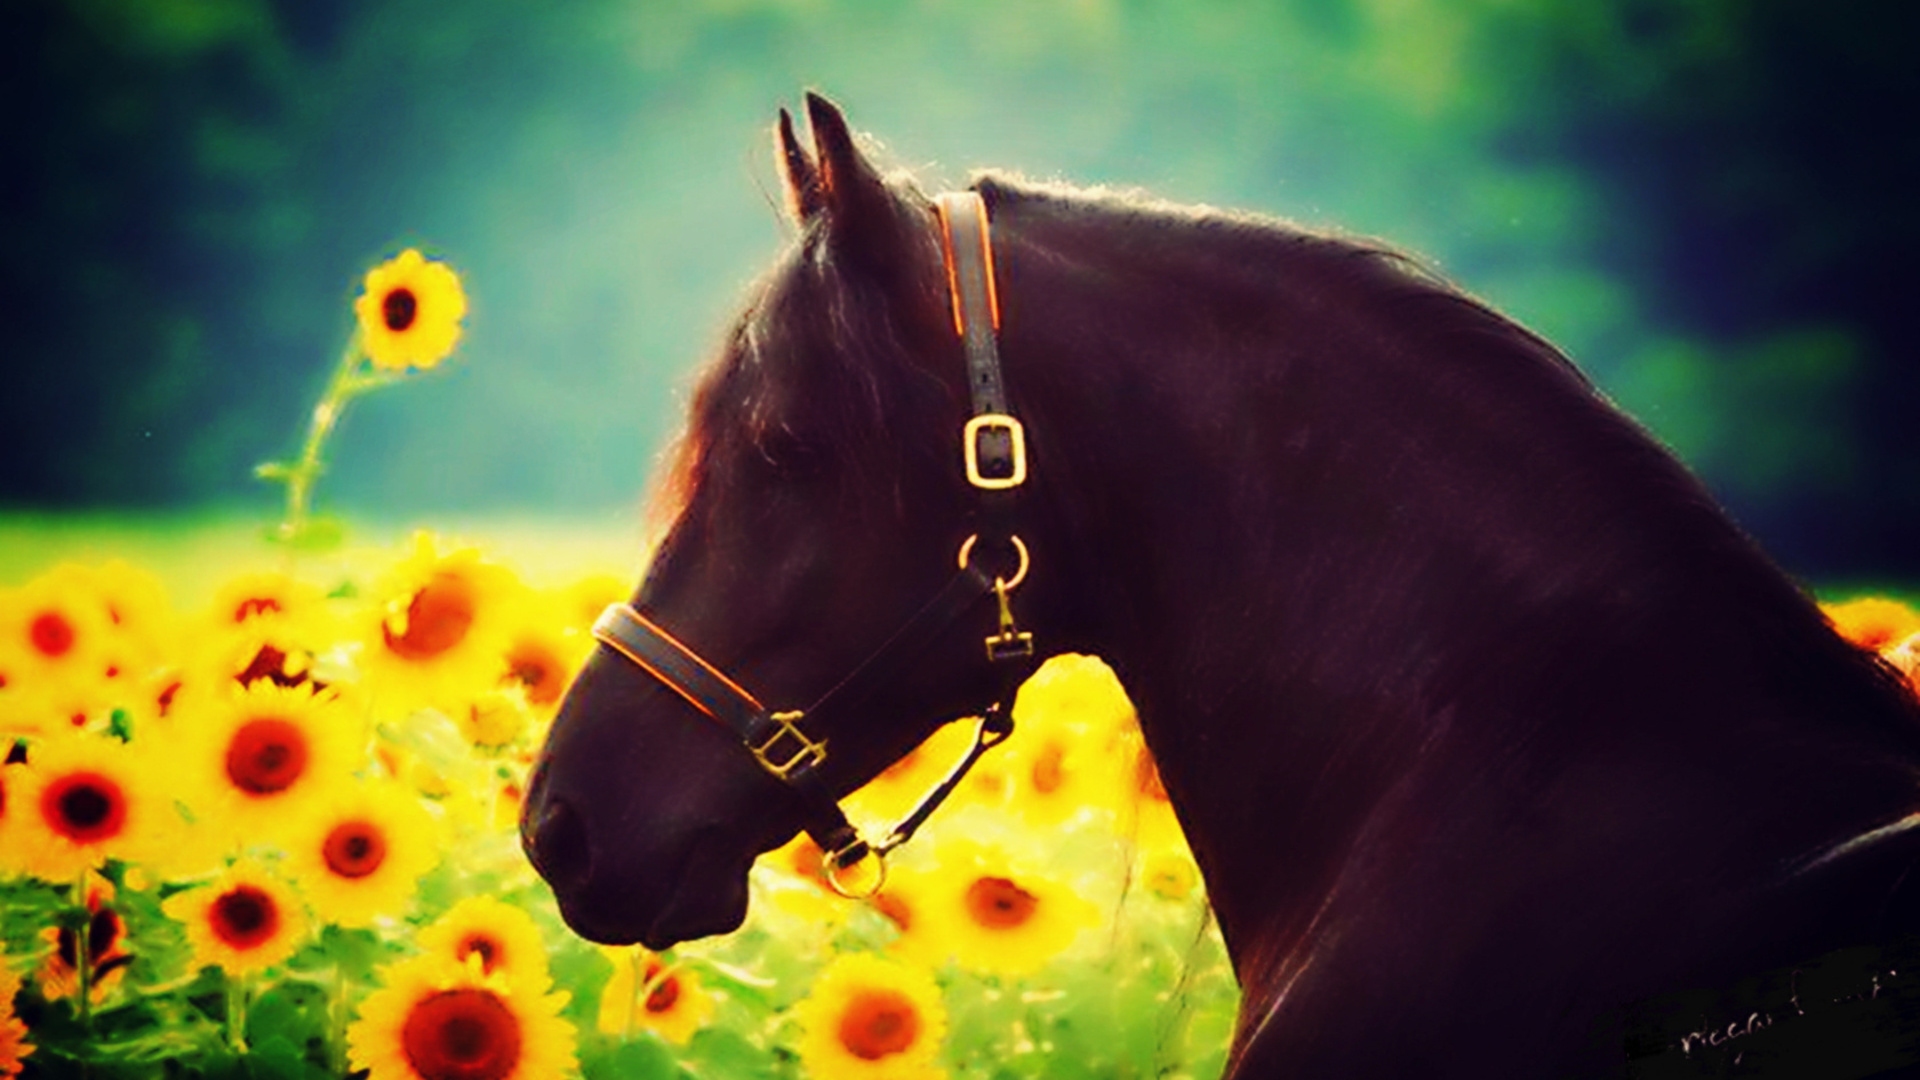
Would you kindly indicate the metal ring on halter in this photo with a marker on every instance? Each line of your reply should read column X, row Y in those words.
column 832, row 869
column 1020, row 575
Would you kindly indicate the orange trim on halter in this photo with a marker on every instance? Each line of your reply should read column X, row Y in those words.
column 616, row 645
column 953, row 274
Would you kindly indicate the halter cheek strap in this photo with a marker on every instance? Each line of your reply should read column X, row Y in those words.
column 994, row 451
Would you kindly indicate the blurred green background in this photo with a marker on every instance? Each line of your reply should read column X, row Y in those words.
column 1708, row 203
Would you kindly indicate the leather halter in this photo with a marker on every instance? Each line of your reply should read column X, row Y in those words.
column 994, row 452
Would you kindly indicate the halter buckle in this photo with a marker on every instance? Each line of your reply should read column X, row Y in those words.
column 807, row 755
column 1016, row 438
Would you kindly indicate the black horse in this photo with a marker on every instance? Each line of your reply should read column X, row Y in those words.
column 1482, row 719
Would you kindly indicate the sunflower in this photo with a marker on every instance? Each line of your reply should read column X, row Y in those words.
column 140, row 620
column 360, row 854
column 271, row 597
column 1170, row 874
column 1073, row 723
column 13, row 1031
column 1873, row 622
column 436, row 631
column 898, row 788
column 107, row 955
column 58, row 626
column 543, row 652
column 495, row 719
column 83, row 798
column 904, row 902
column 1149, row 818
column 410, row 312
column 646, row 994
column 436, row 1019
column 501, row 938
column 991, row 915
column 258, row 757
column 869, row 1018
column 243, row 921
column 56, row 644
column 261, row 649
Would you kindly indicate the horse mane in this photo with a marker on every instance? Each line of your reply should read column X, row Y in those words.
column 816, row 324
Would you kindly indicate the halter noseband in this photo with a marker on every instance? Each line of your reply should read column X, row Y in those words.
column 994, row 451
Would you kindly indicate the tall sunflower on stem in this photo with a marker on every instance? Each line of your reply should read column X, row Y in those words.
column 407, row 320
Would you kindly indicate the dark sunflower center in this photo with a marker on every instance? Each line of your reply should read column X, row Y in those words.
column 398, row 309
column 245, row 917
column 897, row 911
column 438, row 618
column 1047, row 771
column 255, row 605
column 103, row 933
column 536, row 671
column 354, row 849
column 267, row 756
column 51, row 634
column 465, row 1034
column 999, row 904
column 85, row 807
column 270, row 663
column 482, row 946
column 879, row 1022
column 665, row 994
column 1146, row 777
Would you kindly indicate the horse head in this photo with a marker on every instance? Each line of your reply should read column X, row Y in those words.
column 819, row 499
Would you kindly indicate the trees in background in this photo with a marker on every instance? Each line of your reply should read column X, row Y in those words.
column 1705, row 201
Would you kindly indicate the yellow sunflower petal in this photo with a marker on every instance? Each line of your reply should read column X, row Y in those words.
column 643, row 994
column 436, row 628
column 991, row 913
column 503, row 938
column 410, row 312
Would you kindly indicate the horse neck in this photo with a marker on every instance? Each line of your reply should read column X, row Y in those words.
column 1329, row 563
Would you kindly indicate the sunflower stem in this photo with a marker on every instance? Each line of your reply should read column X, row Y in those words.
column 237, row 1013
column 337, row 1021
column 83, row 952
column 341, row 388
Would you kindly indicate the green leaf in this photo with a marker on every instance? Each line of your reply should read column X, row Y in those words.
column 638, row 1059
column 316, row 535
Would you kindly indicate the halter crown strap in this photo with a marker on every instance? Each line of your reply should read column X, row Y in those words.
column 994, row 443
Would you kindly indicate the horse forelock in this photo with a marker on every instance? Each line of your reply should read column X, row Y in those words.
column 818, row 368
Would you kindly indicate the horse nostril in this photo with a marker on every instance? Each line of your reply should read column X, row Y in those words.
column 558, row 847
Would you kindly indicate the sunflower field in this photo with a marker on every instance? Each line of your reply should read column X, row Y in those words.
column 272, row 833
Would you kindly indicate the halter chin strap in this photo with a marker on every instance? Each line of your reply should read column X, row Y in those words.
column 994, row 450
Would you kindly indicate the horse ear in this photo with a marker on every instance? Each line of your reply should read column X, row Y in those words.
column 851, row 192
column 798, row 176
